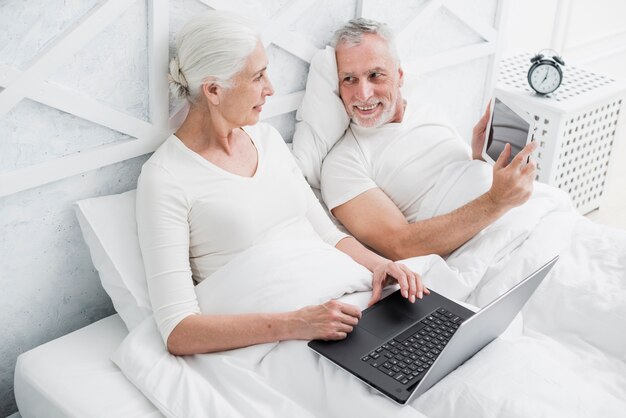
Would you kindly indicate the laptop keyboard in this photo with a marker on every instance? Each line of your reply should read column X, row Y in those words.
column 407, row 357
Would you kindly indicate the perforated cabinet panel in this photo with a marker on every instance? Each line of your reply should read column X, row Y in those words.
column 575, row 126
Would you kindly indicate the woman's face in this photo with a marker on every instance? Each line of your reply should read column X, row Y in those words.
column 242, row 103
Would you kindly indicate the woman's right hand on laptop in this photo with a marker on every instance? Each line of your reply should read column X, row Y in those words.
column 332, row 320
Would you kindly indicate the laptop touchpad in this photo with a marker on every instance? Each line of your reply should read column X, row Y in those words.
column 385, row 321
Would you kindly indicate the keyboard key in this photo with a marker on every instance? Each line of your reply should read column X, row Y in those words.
column 366, row 358
column 399, row 377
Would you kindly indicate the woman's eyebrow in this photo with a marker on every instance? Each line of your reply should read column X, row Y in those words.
column 261, row 70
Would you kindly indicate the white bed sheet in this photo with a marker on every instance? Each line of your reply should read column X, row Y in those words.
column 73, row 376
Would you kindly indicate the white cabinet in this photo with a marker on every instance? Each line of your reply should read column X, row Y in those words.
column 576, row 126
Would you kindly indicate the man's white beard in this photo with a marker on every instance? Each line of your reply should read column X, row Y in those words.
column 379, row 121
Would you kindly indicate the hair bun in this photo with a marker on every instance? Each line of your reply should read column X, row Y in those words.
column 178, row 83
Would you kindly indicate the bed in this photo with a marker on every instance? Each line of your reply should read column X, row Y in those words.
column 563, row 356
column 74, row 376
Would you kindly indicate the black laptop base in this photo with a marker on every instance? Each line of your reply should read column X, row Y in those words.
column 392, row 350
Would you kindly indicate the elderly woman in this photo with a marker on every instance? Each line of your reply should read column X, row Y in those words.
column 223, row 183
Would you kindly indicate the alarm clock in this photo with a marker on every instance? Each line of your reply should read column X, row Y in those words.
column 545, row 74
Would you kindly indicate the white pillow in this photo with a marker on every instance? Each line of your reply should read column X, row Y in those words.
column 321, row 117
column 110, row 231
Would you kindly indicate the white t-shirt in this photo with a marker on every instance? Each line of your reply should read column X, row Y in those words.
column 194, row 217
column 403, row 159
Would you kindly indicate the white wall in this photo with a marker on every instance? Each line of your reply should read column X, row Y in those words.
column 48, row 285
column 589, row 35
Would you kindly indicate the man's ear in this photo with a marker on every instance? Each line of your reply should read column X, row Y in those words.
column 210, row 91
column 400, row 76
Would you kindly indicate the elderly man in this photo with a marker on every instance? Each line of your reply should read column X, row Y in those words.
column 375, row 179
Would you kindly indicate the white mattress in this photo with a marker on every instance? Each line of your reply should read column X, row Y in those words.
column 73, row 376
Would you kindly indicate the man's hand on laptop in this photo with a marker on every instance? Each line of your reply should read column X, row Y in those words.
column 513, row 183
column 389, row 272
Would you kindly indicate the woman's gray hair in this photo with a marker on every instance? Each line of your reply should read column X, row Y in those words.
column 214, row 47
column 352, row 33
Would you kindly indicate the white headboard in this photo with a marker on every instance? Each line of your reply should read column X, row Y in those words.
column 451, row 44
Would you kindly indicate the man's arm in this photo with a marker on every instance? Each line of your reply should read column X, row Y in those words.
column 375, row 220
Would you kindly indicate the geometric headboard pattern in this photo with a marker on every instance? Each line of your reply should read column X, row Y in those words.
column 432, row 36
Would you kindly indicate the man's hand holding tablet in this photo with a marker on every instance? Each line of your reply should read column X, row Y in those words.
column 513, row 182
column 504, row 138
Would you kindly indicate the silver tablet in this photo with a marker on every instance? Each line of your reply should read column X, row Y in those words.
column 508, row 124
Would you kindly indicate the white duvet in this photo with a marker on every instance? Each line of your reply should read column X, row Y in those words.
column 565, row 357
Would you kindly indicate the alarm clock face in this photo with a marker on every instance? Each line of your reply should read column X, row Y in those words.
column 544, row 78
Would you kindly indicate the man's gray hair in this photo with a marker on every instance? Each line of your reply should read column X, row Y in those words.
column 352, row 34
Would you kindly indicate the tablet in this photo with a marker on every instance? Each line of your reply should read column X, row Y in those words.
column 508, row 124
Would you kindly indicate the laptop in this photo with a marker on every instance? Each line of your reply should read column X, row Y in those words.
column 402, row 349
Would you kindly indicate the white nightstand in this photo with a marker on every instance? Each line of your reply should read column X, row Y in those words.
column 576, row 127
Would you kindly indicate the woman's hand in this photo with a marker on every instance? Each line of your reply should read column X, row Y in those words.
column 388, row 272
column 332, row 320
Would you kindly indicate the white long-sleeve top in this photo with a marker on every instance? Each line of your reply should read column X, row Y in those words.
column 194, row 217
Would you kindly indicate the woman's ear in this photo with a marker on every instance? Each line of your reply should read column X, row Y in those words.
column 401, row 76
column 210, row 90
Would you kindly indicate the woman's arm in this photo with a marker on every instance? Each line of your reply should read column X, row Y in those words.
column 163, row 230
column 384, row 271
column 211, row 333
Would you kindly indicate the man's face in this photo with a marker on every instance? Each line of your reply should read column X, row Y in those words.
column 369, row 82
